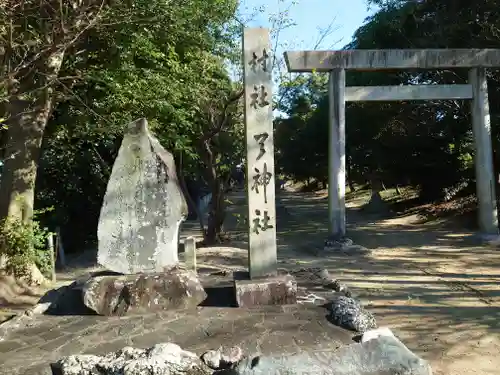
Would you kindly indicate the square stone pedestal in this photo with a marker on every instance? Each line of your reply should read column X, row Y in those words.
column 274, row 290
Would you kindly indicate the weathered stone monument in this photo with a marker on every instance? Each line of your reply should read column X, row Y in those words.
column 263, row 286
column 138, row 233
column 337, row 62
column 143, row 207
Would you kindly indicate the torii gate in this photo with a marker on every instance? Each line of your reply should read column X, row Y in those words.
column 337, row 62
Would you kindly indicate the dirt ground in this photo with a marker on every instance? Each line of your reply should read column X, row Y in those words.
column 429, row 282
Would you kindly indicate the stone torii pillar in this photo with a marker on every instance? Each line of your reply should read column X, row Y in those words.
column 336, row 156
column 337, row 62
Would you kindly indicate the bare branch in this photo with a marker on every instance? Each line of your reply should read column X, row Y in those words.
column 222, row 122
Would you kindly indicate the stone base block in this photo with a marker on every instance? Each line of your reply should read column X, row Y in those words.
column 173, row 289
column 276, row 290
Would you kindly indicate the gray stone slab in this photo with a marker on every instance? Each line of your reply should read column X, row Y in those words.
column 268, row 330
column 143, row 207
column 381, row 356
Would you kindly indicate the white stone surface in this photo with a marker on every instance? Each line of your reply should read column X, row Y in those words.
column 161, row 359
column 376, row 333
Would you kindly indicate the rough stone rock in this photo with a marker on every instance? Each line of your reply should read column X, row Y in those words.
column 278, row 290
column 341, row 243
column 338, row 287
column 313, row 274
column 348, row 313
column 341, row 288
column 224, row 357
column 381, row 356
column 170, row 290
column 143, row 207
column 161, row 359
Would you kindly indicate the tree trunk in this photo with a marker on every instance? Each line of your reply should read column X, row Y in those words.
column 217, row 212
column 376, row 203
column 17, row 185
column 352, row 188
column 350, row 183
column 29, row 110
column 189, row 198
column 27, row 119
column 376, row 185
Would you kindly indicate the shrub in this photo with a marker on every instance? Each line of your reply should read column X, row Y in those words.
column 24, row 244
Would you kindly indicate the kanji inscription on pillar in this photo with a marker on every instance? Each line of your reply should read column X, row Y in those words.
column 261, row 222
column 261, row 179
column 260, row 61
column 261, row 140
column 259, row 97
column 262, row 253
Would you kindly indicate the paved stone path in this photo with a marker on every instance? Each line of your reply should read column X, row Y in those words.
column 269, row 330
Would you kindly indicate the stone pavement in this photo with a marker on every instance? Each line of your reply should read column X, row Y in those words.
column 268, row 330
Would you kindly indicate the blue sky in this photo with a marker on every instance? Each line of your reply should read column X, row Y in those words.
column 310, row 16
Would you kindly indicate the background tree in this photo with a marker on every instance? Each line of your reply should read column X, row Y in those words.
column 163, row 61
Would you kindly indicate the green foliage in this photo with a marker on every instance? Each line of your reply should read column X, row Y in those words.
column 303, row 100
column 24, row 244
column 163, row 62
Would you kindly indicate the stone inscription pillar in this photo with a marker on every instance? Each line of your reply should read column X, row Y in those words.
column 262, row 253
